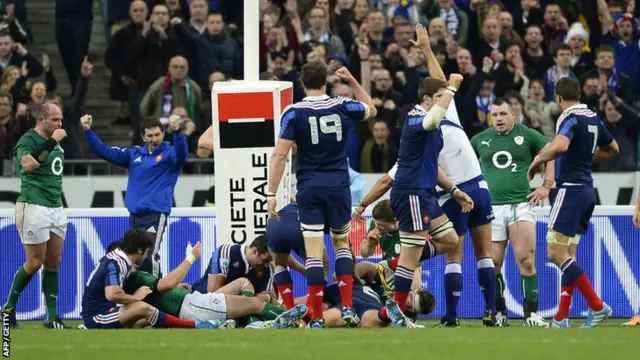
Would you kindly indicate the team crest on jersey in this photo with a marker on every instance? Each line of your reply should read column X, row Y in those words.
column 425, row 219
column 158, row 158
column 224, row 263
column 519, row 140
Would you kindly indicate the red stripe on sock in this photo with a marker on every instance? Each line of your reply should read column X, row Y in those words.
column 315, row 297
column 174, row 322
column 401, row 299
column 586, row 289
column 566, row 294
column 345, row 285
column 286, row 293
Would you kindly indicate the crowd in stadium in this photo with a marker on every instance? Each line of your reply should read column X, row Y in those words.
column 164, row 56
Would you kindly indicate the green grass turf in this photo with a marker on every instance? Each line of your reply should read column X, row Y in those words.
column 471, row 342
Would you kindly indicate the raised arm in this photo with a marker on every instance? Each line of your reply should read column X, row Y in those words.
column 422, row 41
column 438, row 111
column 114, row 155
column 175, row 277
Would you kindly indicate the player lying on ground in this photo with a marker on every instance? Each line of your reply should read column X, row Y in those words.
column 315, row 125
column 219, row 309
column 381, row 277
column 104, row 291
column 40, row 218
column 505, row 151
column 232, row 261
column 284, row 236
column 581, row 139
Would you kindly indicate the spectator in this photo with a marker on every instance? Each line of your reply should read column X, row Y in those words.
column 623, row 123
column 506, row 29
column 536, row 60
column 457, row 21
column 12, row 53
column 385, row 98
column 375, row 26
column 198, row 10
column 361, row 9
column 581, row 59
column 528, row 14
column 437, row 31
column 591, row 91
column 73, row 20
column 175, row 89
column 510, row 71
column 379, row 153
column 9, row 24
column 151, row 51
column 610, row 78
column 555, row 27
column 122, row 86
column 72, row 113
column 537, row 108
column 490, row 44
column 624, row 37
column 7, row 136
column 561, row 69
column 318, row 32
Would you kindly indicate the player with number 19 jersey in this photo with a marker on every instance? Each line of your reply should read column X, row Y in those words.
column 317, row 125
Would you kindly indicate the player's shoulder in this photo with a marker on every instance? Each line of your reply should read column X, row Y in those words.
column 27, row 139
column 225, row 250
column 488, row 132
column 417, row 111
column 120, row 263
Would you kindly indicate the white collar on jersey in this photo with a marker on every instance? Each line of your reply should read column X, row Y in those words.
column 124, row 256
column 243, row 249
column 315, row 98
column 576, row 106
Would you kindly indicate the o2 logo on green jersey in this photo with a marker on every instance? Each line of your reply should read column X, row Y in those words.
column 397, row 248
column 504, row 165
column 56, row 166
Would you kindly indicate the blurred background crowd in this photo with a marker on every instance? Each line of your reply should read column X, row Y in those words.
column 124, row 60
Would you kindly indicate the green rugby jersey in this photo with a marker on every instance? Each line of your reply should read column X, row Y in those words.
column 169, row 302
column 505, row 159
column 389, row 243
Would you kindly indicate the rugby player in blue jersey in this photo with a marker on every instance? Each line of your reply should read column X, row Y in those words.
column 105, row 305
column 413, row 196
column 317, row 126
column 581, row 139
column 230, row 262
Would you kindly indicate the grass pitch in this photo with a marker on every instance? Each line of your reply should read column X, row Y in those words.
column 472, row 341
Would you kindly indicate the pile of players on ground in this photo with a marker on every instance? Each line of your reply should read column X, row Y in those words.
column 236, row 290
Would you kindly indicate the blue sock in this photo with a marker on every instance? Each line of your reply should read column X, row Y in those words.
column 428, row 251
column 314, row 271
column 403, row 280
column 571, row 271
column 344, row 263
column 452, row 289
column 486, row 280
column 158, row 319
column 282, row 277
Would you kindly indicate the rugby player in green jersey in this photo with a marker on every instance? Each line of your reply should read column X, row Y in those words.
column 174, row 298
column 383, row 231
column 506, row 151
column 39, row 215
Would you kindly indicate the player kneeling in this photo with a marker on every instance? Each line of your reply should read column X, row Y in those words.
column 103, row 292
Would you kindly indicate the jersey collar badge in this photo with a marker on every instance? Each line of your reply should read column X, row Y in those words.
column 519, row 140
column 158, row 158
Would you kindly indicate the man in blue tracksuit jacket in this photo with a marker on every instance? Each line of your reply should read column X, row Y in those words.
column 153, row 173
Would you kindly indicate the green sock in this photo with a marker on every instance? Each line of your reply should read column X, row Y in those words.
column 501, row 303
column 50, row 291
column 271, row 312
column 529, row 285
column 248, row 294
column 252, row 319
column 20, row 281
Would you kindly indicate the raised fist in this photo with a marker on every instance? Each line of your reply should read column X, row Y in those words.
column 86, row 121
column 58, row 135
column 455, row 80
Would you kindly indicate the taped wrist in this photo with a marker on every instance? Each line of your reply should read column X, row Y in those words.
column 42, row 152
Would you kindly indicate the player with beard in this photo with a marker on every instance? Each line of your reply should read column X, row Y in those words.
column 153, row 174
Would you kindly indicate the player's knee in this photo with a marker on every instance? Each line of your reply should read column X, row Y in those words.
column 34, row 262
column 455, row 255
column 444, row 233
column 340, row 236
column 412, row 241
column 52, row 262
column 526, row 263
column 312, row 231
